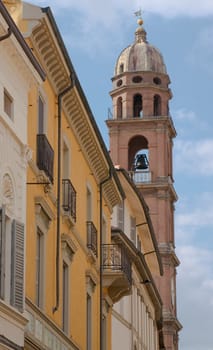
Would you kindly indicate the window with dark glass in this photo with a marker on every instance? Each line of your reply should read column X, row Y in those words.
column 8, row 104
column 137, row 106
column 119, row 108
column 157, row 105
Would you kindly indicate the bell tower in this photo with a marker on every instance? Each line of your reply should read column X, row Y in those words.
column 141, row 133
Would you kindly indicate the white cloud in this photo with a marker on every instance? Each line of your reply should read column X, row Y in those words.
column 194, row 219
column 195, row 290
column 194, row 157
column 201, row 52
column 93, row 23
column 184, row 114
column 193, row 226
column 104, row 10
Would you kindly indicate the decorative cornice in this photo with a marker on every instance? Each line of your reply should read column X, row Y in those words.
column 50, row 49
column 8, row 19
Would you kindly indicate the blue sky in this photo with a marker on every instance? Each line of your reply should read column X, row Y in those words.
column 95, row 32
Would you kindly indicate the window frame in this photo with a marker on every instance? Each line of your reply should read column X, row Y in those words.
column 8, row 104
column 41, row 113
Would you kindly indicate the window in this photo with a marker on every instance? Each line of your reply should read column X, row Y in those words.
column 65, row 293
column 89, row 322
column 121, row 68
column 173, row 291
column 137, row 79
column 44, row 215
column 105, row 311
column 89, row 205
column 157, row 80
column 119, row 108
column 137, row 106
column 68, row 250
column 17, row 265
column 104, row 332
column 41, row 121
column 66, row 158
column 120, row 215
column 119, row 82
column 2, row 251
column 39, row 267
column 12, row 264
column 104, row 231
column 157, row 105
column 8, row 104
column 90, row 288
column 133, row 230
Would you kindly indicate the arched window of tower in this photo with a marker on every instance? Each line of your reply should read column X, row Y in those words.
column 119, row 108
column 137, row 106
column 157, row 105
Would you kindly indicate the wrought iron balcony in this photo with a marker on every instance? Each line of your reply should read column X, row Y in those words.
column 117, row 270
column 92, row 237
column 69, row 198
column 45, row 155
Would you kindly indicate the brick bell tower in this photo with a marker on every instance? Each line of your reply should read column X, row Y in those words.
column 141, row 135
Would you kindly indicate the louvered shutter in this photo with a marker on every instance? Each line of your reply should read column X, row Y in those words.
column 2, row 251
column 17, row 265
column 133, row 230
column 120, row 216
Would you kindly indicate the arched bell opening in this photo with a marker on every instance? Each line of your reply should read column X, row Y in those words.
column 157, row 105
column 138, row 154
column 137, row 106
column 119, row 108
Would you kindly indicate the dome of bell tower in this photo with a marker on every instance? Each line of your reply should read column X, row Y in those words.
column 140, row 56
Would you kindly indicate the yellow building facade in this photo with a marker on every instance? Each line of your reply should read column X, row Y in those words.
column 71, row 190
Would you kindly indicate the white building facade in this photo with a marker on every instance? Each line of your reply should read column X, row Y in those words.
column 18, row 72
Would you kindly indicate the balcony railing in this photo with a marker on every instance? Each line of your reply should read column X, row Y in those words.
column 141, row 176
column 45, row 156
column 115, row 259
column 92, row 237
column 69, row 198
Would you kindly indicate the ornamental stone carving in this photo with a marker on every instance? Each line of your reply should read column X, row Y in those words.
column 8, row 193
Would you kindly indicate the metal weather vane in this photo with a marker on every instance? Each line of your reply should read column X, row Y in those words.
column 138, row 13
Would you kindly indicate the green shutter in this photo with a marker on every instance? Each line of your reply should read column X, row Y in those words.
column 17, row 265
column 2, row 251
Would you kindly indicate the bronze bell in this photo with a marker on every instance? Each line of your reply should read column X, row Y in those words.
column 141, row 162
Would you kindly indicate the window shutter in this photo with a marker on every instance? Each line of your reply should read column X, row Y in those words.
column 133, row 230
column 17, row 265
column 2, row 251
column 120, row 216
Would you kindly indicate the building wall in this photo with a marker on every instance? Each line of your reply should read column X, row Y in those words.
column 134, row 324
column 82, row 290
column 15, row 79
column 84, row 266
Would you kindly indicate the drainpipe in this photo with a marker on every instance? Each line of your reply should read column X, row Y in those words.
column 5, row 36
column 101, row 257
column 60, row 96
